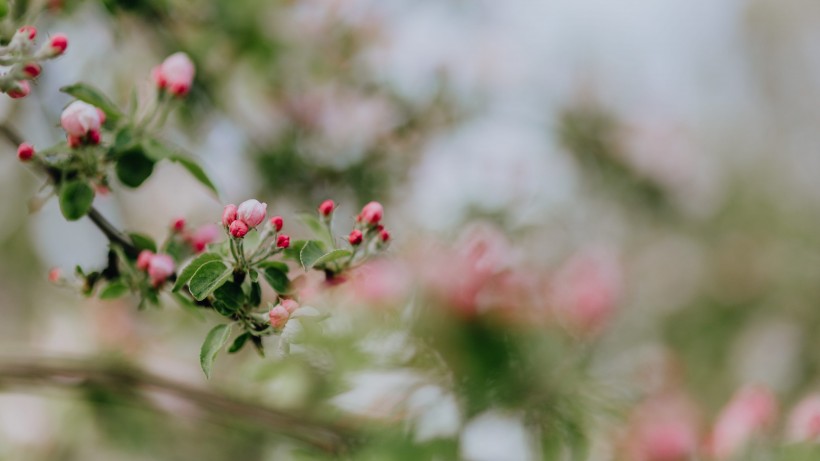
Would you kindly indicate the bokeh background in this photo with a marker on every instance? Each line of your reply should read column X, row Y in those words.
column 653, row 164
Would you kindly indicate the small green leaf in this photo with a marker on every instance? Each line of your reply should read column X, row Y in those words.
column 275, row 264
column 208, row 278
column 277, row 279
column 189, row 271
column 231, row 295
column 95, row 97
column 143, row 242
column 238, row 343
column 76, row 198
column 157, row 150
column 295, row 248
column 214, row 342
column 196, row 171
column 134, row 167
column 312, row 251
column 319, row 229
column 330, row 257
column 114, row 290
column 255, row 296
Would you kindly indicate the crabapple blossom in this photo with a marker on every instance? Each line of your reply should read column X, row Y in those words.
column 81, row 120
column 278, row 316
column 326, row 207
column 25, row 152
column 277, row 223
column 371, row 213
column 32, row 69
column 144, row 259
column 252, row 212
column 355, row 237
column 283, row 241
column 229, row 215
column 203, row 236
column 804, row 421
column 20, row 89
column 751, row 410
column 238, row 229
column 176, row 74
column 160, row 268
column 56, row 45
column 290, row 305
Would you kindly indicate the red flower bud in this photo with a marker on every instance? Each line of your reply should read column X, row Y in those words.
column 54, row 275
column 252, row 212
column 21, row 89
column 32, row 69
column 277, row 222
column 283, row 241
column 229, row 215
column 57, row 44
column 326, row 208
column 176, row 74
column 238, row 229
column 355, row 237
column 160, row 268
column 372, row 213
column 278, row 317
column 178, row 225
column 385, row 236
column 28, row 31
column 144, row 259
column 25, row 152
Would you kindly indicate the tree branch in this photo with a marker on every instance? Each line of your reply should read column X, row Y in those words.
column 119, row 378
column 112, row 233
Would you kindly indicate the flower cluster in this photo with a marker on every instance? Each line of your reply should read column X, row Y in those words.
column 24, row 57
column 159, row 266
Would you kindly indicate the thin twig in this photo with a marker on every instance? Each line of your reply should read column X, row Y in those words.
column 118, row 378
column 112, row 233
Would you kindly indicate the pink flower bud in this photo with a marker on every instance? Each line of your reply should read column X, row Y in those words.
column 204, row 236
column 750, row 412
column 252, row 212
column 238, row 229
column 228, row 215
column 80, row 119
column 25, row 152
column 178, row 225
column 176, row 74
column 277, row 222
column 93, row 137
column 371, row 214
column 32, row 69
column 29, row 32
column 384, row 235
column 144, row 259
column 20, row 89
column 57, row 45
column 290, row 305
column 54, row 275
column 160, row 268
column 74, row 141
column 326, row 208
column 278, row 317
column 283, row 241
column 355, row 237
column 804, row 421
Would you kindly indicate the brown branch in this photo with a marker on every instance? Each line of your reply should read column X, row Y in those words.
column 112, row 233
column 78, row 373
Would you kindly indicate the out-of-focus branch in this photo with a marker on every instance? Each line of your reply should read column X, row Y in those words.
column 112, row 233
column 70, row 373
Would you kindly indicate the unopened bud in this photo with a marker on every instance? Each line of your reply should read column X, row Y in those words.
column 283, row 241
column 144, row 259
column 21, row 89
column 228, row 215
column 278, row 317
column 277, row 222
column 355, row 237
column 54, row 275
column 32, row 69
column 29, row 32
column 371, row 214
column 290, row 305
column 252, row 212
column 160, row 268
column 57, row 45
column 326, row 208
column 176, row 74
column 238, row 229
column 384, row 235
column 25, row 152
column 178, row 225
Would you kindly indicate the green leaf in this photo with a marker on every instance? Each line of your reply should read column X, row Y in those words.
column 214, row 342
column 189, row 270
column 295, row 248
column 143, row 242
column 134, row 167
column 114, row 290
column 330, row 257
column 157, row 150
column 275, row 264
column 311, row 253
column 318, row 228
column 255, row 296
column 277, row 279
column 95, row 97
column 208, row 278
column 231, row 295
column 238, row 343
column 196, row 171
column 75, row 199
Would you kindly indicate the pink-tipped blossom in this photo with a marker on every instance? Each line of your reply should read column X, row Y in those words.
column 175, row 74
column 229, row 215
column 25, row 152
column 663, row 428
column 277, row 223
column 160, row 268
column 32, row 69
column 290, row 305
column 278, row 317
column 144, row 259
column 326, row 207
column 751, row 411
column 371, row 213
column 252, row 212
column 384, row 235
column 54, row 275
column 804, row 421
column 283, row 241
column 57, row 45
column 355, row 237
column 238, row 229
column 80, row 121
column 178, row 225
column 29, row 32
column 21, row 89
column 203, row 236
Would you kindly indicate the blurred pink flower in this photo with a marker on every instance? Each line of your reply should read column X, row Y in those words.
column 751, row 411
column 804, row 420
column 203, row 236
column 380, row 282
column 663, row 429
